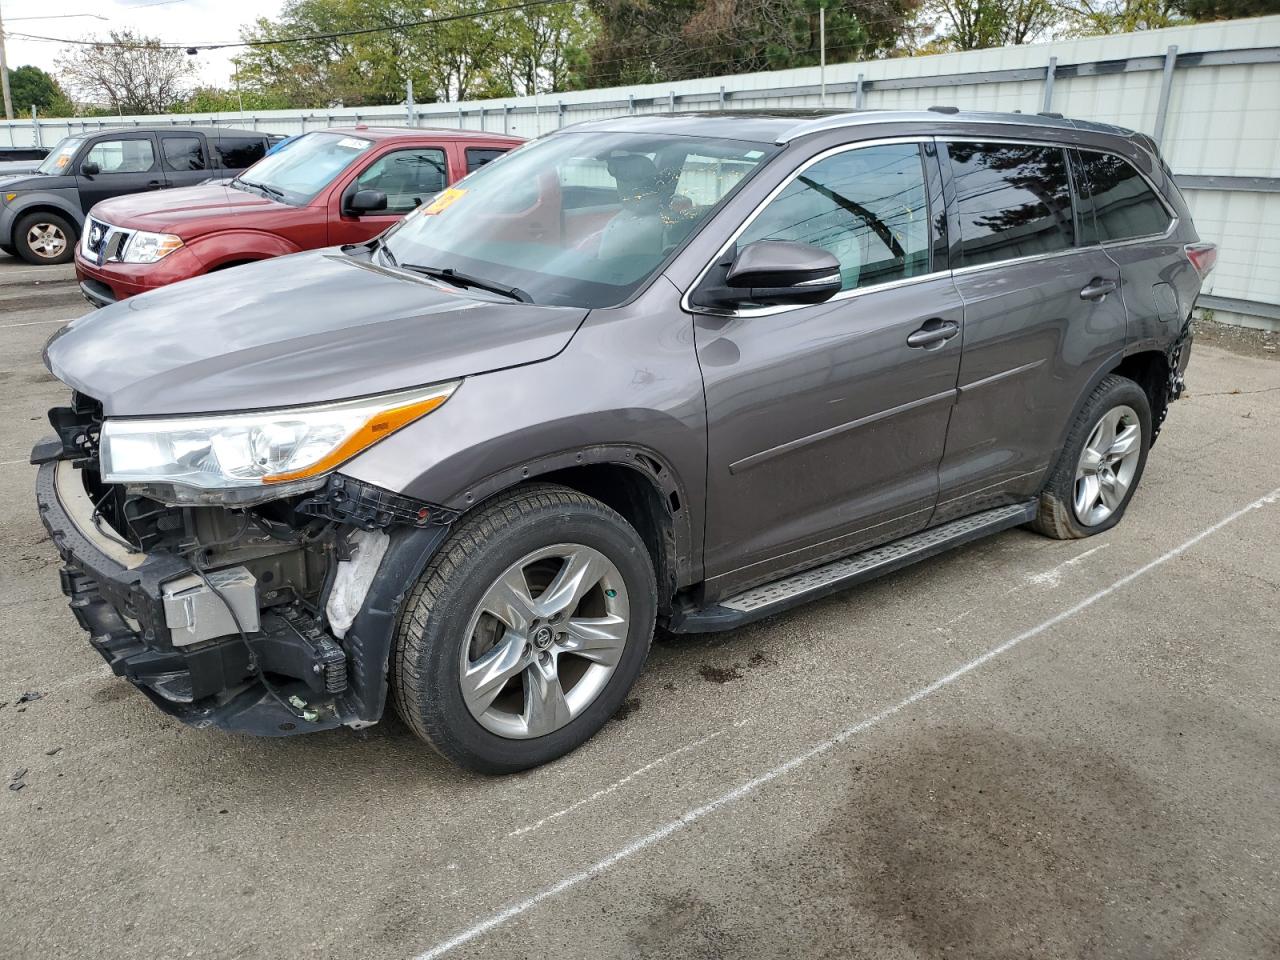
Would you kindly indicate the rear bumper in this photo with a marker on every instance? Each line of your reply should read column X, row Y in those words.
column 116, row 595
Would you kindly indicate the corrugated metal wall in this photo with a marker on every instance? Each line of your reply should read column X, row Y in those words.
column 1214, row 104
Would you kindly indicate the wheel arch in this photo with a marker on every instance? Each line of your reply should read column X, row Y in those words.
column 1149, row 368
column 635, row 481
column 45, row 205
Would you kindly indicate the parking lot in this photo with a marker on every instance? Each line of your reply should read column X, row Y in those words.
column 1022, row 748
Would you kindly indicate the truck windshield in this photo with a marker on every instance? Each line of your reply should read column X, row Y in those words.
column 58, row 162
column 309, row 165
column 577, row 219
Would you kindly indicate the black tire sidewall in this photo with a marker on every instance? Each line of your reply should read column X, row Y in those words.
column 452, row 728
column 1116, row 391
column 26, row 253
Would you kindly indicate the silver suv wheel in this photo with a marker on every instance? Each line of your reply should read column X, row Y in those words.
column 1107, row 465
column 47, row 240
column 544, row 641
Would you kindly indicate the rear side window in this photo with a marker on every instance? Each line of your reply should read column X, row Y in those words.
column 477, row 157
column 1014, row 200
column 1124, row 205
column 867, row 206
column 236, row 153
column 182, row 153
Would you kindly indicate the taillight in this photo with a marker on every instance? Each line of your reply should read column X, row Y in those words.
column 1203, row 256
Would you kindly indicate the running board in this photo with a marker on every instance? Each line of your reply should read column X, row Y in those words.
column 771, row 598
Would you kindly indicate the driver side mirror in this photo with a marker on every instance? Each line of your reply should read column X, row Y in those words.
column 776, row 273
column 367, row 201
column 90, row 169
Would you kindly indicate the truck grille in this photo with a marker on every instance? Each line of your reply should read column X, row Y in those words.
column 102, row 241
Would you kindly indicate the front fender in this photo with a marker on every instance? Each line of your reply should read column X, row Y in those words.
column 68, row 206
column 236, row 246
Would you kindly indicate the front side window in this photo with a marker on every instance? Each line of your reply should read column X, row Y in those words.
column 182, row 153
column 236, row 153
column 1014, row 200
column 407, row 177
column 576, row 219
column 309, row 164
column 58, row 162
column 1124, row 206
column 122, row 156
column 866, row 206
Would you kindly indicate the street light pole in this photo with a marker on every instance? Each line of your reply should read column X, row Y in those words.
column 4, row 76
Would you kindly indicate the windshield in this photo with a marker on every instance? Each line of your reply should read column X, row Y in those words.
column 309, row 165
column 58, row 162
column 577, row 219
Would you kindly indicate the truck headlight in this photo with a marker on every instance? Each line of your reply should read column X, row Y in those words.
column 251, row 457
column 144, row 247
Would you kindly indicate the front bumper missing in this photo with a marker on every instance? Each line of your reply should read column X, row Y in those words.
column 117, row 595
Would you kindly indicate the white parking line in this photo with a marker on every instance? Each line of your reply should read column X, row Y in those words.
column 697, row 813
column 605, row 791
column 36, row 323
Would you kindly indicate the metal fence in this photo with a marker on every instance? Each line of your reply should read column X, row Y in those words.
column 1209, row 93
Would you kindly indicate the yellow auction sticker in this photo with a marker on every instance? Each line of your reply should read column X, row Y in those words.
column 444, row 200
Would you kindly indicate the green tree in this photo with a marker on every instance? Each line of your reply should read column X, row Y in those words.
column 32, row 87
column 128, row 72
column 980, row 24
column 1226, row 9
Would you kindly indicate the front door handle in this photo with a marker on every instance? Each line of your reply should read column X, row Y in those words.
column 934, row 333
column 1097, row 288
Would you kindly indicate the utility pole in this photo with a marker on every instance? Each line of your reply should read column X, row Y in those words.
column 4, row 76
column 822, row 62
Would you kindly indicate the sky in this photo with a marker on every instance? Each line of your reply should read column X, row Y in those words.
column 173, row 21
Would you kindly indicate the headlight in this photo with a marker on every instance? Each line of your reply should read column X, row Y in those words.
column 144, row 247
column 251, row 457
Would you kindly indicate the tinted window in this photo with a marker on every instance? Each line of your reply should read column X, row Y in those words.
column 477, row 157
column 407, row 177
column 182, row 153
column 122, row 156
column 1014, row 200
column 235, row 153
column 1124, row 206
column 866, row 206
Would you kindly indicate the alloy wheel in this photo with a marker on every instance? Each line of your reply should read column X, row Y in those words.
column 1107, row 465
column 544, row 641
column 46, row 240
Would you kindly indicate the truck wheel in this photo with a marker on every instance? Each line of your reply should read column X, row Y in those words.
column 1100, row 465
column 42, row 238
column 526, row 631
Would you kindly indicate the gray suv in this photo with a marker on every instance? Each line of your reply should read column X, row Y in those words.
column 685, row 371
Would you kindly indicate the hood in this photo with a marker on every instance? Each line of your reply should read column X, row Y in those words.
column 302, row 329
column 187, row 211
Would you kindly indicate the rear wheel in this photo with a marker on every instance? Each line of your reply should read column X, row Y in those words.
column 526, row 631
column 1100, row 465
column 42, row 238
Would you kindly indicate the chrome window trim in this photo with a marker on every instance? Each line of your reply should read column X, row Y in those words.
column 687, row 305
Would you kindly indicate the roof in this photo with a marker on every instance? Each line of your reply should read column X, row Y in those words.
column 783, row 126
column 436, row 133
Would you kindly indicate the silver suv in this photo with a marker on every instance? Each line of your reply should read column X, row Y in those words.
column 679, row 370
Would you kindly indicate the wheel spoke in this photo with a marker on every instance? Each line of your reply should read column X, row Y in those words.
column 1088, row 489
column 1090, row 459
column 1111, row 492
column 545, row 709
column 510, row 602
column 582, row 570
column 598, row 639
column 1125, row 441
column 484, row 679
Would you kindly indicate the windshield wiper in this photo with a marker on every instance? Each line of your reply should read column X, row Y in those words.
column 457, row 278
column 269, row 191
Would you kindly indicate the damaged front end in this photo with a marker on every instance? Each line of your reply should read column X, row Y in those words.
column 271, row 618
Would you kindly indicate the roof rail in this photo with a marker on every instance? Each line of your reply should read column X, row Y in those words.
column 945, row 109
column 1050, row 114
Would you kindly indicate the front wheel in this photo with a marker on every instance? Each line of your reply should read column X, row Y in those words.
column 1100, row 465
column 45, row 238
column 526, row 631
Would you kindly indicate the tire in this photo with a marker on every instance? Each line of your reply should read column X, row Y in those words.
column 58, row 237
column 1071, row 505
column 447, row 628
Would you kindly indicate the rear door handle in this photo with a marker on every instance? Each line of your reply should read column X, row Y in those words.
column 1097, row 288
column 934, row 333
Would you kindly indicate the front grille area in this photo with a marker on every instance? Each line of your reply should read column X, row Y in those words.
column 102, row 241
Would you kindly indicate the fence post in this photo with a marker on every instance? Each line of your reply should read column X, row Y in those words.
column 482, row 119
column 671, row 101
column 506, row 116
column 35, row 126
column 722, row 96
column 559, row 114
column 408, row 102
column 631, row 103
column 1048, row 83
column 857, row 93
column 1166, row 88
column 461, row 122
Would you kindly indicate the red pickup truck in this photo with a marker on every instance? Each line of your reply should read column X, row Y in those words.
column 341, row 185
